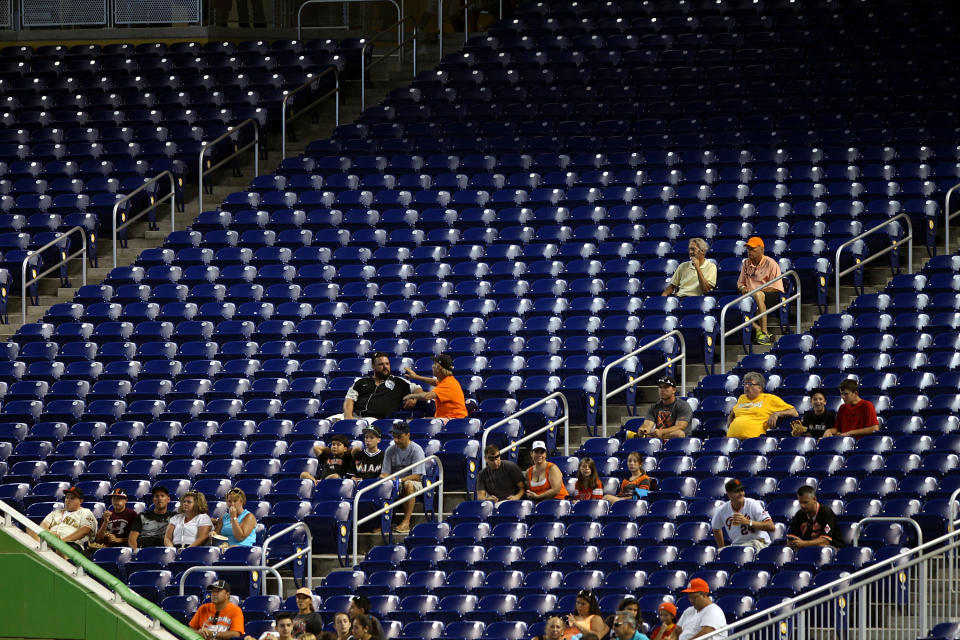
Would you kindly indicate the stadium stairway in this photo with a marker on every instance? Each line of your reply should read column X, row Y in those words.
column 382, row 79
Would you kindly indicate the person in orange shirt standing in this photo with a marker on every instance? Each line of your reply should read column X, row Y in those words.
column 218, row 619
column 446, row 393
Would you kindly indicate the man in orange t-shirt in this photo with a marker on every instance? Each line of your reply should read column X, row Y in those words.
column 218, row 619
column 446, row 393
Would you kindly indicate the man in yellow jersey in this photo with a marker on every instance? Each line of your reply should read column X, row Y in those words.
column 756, row 411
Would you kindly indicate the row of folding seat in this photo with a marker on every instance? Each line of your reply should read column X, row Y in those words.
column 151, row 49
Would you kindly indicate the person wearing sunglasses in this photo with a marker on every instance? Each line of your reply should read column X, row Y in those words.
column 500, row 479
column 625, row 627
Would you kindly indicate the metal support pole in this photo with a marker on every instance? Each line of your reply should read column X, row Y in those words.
column 798, row 296
column 860, row 265
column 209, row 145
column 173, row 207
column 36, row 254
column 565, row 419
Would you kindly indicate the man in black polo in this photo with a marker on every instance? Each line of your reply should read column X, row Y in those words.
column 815, row 524
column 377, row 396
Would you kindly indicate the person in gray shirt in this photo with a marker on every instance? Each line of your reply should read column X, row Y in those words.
column 399, row 455
column 500, row 479
column 671, row 417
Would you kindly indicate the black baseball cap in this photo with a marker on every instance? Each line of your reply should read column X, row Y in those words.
column 400, row 427
column 667, row 381
column 444, row 361
column 341, row 438
column 219, row 584
column 160, row 487
column 77, row 491
column 733, row 486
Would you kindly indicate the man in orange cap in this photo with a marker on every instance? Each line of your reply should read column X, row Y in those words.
column 756, row 271
column 702, row 616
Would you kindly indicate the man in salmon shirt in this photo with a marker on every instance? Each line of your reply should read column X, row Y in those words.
column 446, row 393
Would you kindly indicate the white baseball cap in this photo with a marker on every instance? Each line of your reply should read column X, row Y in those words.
column 539, row 444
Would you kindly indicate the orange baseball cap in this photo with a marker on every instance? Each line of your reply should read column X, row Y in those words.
column 755, row 241
column 697, row 585
column 669, row 607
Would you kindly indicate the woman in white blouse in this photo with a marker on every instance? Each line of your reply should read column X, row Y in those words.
column 191, row 526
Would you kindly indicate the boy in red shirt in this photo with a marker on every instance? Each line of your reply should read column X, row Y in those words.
column 856, row 417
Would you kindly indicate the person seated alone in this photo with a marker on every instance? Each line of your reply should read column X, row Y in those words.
column 756, row 411
column 756, row 271
column 501, row 479
column 856, row 417
column 816, row 421
column 670, row 417
column 695, row 277
column 218, row 619
column 446, row 394
column 636, row 485
column 815, row 524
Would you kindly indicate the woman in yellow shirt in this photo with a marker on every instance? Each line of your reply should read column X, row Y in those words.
column 756, row 411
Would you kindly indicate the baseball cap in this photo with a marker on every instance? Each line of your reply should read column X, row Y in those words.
column 539, row 444
column 373, row 430
column 341, row 438
column 755, row 241
column 697, row 585
column 444, row 361
column 304, row 591
column 667, row 381
column 733, row 485
column 75, row 491
column 400, row 427
column 669, row 607
column 118, row 493
column 160, row 487
column 219, row 584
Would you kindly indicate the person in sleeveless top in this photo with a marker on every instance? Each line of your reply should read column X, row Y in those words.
column 238, row 525
column 586, row 618
column 544, row 479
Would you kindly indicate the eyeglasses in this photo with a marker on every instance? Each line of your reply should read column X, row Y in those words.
column 492, row 458
column 751, row 384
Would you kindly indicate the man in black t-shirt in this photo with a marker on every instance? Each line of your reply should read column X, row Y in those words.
column 818, row 419
column 148, row 528
column 815, row 524
column 377, row 396
column 500, row 479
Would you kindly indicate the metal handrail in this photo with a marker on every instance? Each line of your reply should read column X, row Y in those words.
column 466, row 22
column 565, row 419
column 400, row 45
column 36, row 254
column 947, row 217
column 667, row 363
column 723, row 311
column 173, row 207
column 234, row 130
column 860, row 264
column 245, row 568
column 309, row 2
column 311, row 81
column 954, row 506
column 857, row 526
column 108, row 580
column 438, row 486
column 308, row 551
column 828, row 592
